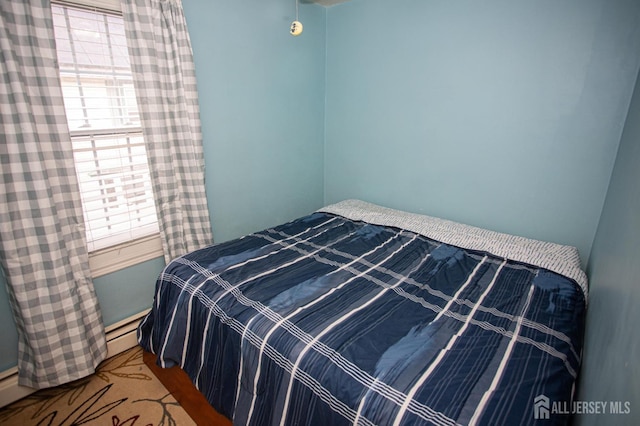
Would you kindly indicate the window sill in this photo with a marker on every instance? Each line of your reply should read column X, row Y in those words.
column 112, row 259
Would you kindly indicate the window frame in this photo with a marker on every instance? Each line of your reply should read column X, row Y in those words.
column 112, row 259
column 129, row 253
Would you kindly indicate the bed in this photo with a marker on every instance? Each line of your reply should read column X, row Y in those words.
column 360, row 314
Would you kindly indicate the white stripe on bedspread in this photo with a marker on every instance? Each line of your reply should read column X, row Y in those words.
column 503, row 362
column 340, row 320
column 443, row 351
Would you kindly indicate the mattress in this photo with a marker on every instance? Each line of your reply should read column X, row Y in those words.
column 358, row 314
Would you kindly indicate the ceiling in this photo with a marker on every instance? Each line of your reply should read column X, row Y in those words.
column 328, row 2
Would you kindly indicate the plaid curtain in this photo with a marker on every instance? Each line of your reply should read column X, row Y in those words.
column 42, row 239
column 165, row 82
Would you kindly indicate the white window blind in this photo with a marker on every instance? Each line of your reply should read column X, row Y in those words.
column 104, row 122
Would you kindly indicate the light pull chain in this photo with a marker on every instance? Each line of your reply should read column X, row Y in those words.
column 296, row 26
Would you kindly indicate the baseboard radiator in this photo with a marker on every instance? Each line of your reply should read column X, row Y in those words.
column 120, row 337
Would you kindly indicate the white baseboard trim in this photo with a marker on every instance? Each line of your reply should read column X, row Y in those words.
column 120, row 337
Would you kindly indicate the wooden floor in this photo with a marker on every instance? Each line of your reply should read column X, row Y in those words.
column 178, row 383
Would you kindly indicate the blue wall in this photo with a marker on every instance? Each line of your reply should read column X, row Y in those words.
column 505, row 115
column 8, row 334
column 262, row 109
column 610, row 370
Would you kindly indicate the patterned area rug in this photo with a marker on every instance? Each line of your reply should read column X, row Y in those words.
column 123, row 392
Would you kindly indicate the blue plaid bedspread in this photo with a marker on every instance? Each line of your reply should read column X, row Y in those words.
column 331, row 321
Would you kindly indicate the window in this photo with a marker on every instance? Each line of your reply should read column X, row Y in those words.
column 104, row 122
